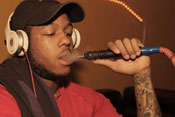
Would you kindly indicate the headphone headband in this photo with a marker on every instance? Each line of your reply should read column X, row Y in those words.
column 16, row 41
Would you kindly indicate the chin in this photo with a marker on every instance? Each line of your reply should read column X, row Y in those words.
column 62, row 71
column 65, row 73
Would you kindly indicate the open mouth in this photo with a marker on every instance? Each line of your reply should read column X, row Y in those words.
column 69, row 58
column 63, row 60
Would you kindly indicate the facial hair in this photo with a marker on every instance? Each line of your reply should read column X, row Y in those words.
column 43, row 72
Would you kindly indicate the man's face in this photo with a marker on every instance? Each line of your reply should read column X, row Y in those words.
column 48, row 44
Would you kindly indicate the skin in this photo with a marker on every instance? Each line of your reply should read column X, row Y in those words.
column 139, row 69
column 48, row 43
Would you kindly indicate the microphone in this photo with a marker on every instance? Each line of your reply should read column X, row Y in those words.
column 105, row 54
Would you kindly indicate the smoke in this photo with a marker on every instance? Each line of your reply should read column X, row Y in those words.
column 73, row 57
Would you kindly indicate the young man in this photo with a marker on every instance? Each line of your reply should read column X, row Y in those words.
column 49, row 29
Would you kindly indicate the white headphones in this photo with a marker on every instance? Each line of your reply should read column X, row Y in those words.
column 18, row 40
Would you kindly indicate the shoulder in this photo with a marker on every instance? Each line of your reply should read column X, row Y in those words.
column 83, row 91
column 101, row 105
column 8, row 104
column 85, row 94
column 80, row 94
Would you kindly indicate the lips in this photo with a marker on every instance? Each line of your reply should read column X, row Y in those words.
column 62, row 58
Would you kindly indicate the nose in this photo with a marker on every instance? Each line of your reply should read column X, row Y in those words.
column 65, row 40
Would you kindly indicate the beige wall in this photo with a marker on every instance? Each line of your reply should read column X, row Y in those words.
column 106, row 22
column 6, row 8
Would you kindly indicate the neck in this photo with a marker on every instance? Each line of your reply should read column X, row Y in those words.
column 53, row 86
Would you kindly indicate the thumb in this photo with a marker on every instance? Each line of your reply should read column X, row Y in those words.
column 105, row 62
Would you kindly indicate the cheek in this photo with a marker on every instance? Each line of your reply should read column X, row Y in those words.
column 46, row 54
column 42, row 51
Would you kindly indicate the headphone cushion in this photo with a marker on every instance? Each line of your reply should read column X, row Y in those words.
column 12, row 42
column 76, row 38
column 24, row 41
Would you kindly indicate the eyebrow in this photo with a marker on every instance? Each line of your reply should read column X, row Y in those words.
column 70, row 24
column 55, row 24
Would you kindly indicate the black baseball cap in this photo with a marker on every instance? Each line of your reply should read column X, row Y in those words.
column 38, row 12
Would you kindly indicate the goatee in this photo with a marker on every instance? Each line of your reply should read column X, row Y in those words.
column 46, row 74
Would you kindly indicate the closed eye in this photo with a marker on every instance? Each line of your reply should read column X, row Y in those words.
column 50, row 34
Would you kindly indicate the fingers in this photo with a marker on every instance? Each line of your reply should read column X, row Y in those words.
column 122, row 49
column 129, row 49
column 135, row 44
column 113, row 47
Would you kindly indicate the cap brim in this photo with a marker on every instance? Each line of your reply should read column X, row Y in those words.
column 74, row 11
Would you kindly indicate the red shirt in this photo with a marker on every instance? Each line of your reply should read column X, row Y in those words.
column 73, row 101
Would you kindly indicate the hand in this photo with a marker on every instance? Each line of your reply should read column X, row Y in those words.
column 132, row 63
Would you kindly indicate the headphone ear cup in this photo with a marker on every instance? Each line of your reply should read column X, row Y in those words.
column 76, row 38
column 24, row 42
column 15, row 41
column 11, row 37
column 12, row 42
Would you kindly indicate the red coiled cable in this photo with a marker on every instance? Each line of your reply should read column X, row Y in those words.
column 169, row 54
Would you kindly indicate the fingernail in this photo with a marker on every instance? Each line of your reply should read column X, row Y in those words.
column 126, row 56
column 138, row 53
column 117, row 51
column 133, row 56
column 141, row 45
